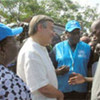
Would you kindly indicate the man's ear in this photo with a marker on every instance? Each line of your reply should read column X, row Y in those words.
column 40, row 27
column 68, row 34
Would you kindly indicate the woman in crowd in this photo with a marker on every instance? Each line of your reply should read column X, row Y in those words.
column 11, row 86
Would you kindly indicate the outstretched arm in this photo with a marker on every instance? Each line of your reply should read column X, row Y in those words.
column 79, row 79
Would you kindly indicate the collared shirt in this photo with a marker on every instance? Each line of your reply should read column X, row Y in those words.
column 36, row 69
column 12, row 87
column 77, row 61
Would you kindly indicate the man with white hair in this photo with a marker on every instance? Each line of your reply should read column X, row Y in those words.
column 34, row 65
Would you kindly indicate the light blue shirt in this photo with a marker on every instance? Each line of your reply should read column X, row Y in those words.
column 79, row 59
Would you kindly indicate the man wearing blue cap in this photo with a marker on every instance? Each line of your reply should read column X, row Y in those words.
column 73, row 54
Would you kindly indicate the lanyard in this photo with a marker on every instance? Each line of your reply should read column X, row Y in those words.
column 71, row 59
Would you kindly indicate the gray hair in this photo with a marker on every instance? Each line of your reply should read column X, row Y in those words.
column 39, row 19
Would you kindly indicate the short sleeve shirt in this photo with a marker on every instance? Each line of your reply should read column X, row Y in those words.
column 34, row 66
column 12, row 87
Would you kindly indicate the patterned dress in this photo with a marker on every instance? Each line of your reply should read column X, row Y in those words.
column 12, row 87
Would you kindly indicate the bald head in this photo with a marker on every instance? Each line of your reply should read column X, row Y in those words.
column 95, row 28
column 96, row 24
column 85, row 39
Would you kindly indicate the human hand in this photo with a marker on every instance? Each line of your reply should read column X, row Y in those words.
column 61, row 96
column 76, row 78
column 60, row 99
column 62, row 70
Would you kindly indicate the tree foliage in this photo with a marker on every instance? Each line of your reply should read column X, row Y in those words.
column 64, row 10
column 18, row 10
column 60, row 10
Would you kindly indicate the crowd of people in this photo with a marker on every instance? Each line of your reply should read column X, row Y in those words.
column 49, row 66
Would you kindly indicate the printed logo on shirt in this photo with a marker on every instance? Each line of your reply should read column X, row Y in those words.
column 81, row 53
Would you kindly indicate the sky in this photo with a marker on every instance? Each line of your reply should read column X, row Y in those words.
column 91, row 3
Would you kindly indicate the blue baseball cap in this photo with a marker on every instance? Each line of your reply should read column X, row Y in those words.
column 6, row 31
column 71, row 25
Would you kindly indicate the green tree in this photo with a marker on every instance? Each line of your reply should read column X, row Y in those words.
column 18, row 10
column 60, row 10
column 64, row 10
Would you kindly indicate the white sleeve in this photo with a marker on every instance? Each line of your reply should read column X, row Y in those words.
column 95, row 94
column 35, row 73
